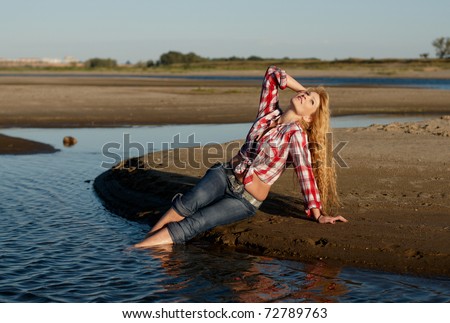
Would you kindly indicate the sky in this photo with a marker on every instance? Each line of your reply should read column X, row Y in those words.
column 134, row 30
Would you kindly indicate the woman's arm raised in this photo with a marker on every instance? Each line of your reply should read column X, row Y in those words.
column 293, row 84
column 274, row 79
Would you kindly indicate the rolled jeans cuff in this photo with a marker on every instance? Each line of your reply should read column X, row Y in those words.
column 176, row 232
column 178, row 206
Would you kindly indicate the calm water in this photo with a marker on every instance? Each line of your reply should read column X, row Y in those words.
column 59, row 244
column 430, row 83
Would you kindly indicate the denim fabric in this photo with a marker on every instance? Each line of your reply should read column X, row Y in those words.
column 210, row 203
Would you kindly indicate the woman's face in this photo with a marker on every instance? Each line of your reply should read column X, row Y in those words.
column 305, row 104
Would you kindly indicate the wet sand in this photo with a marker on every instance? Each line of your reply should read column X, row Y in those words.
column 394, row 191
column 18, row 146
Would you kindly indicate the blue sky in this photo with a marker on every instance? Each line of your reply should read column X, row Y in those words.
column 144, row 29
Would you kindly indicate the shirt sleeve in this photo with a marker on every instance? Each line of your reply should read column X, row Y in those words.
column 274, row 78
column 301, row 158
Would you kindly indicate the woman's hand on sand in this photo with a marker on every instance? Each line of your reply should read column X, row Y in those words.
column 331, row 219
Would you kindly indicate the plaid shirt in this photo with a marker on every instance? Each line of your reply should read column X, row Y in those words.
column 269, row 147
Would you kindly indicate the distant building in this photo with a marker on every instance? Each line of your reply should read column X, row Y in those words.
column 39, row 62
column 70, row 60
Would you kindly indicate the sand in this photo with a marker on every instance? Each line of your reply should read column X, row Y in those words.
column 18, row 146
column 394, row 190
column 96, row 102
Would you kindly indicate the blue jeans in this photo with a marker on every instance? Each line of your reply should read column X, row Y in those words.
column 212, row 202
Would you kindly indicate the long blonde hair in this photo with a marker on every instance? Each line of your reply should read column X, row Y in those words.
column 322, row 151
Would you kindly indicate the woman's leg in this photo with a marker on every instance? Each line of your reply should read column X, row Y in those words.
column 170, row 216
column 225, row 211
column 210, row 188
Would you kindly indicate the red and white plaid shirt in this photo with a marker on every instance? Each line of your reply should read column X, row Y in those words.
column 269, row 147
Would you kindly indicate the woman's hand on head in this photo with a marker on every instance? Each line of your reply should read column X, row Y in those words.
column 323, row 219
column 294, row 85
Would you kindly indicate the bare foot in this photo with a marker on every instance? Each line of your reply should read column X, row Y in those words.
column 158, row 238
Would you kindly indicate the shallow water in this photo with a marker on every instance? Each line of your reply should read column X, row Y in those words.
column 428, row 83
column 59, row 244
column 135, row 141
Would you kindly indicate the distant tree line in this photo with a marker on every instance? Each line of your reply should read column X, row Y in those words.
column 175, row 57
column 441, row 45
column 100, row 63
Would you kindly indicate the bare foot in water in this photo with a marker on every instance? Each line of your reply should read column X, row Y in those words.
column 157, row 238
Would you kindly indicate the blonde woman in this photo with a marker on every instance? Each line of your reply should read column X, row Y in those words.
column 233, row 191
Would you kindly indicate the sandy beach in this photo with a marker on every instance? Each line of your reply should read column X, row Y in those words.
column 394, row 190
column 394, row 193
column 103, row 102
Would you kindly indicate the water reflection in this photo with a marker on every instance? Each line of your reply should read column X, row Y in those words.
column 322, row 283
column 224, row 276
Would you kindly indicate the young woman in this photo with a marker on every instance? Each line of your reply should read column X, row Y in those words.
column 233, row 191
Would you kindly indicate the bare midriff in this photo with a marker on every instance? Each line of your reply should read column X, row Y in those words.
column 257, row 187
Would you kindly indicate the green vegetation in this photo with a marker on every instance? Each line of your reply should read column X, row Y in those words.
column 442, row 46
column 177, row 62
column 94, row 63
column 173, row 57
